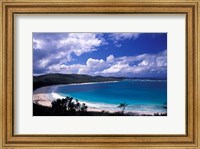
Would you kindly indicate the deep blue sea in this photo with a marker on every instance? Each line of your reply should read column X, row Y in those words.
column 145, row 96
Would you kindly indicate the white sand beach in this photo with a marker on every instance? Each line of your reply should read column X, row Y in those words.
column 45, row 95
column 42, row 96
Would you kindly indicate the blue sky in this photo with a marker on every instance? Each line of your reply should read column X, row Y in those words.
column 105, row 54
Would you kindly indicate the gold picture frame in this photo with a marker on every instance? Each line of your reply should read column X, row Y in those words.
column 8, row 10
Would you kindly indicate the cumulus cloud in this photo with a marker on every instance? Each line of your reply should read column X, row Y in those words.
column 57, row 48
column 92, row 66
column 141, row 64
column 56, row 53
column 110, row 58
column 116, row 68
column 79, row 43
column 94, row 62
column 128, row 66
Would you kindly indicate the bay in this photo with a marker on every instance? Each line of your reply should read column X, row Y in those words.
column 142, row 96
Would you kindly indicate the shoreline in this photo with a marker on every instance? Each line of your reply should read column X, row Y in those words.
column 45, row 95
column 41, row 96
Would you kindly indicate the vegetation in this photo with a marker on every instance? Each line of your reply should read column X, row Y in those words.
column 55, row 79
column 68, row 104
column 72, row 107
column 160, row 114
column 123, row 106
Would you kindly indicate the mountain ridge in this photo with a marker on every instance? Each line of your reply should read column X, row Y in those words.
column 56, row 79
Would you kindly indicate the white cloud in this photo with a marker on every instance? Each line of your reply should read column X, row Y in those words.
column 110, row 58
column 43, row 63
column 130, row 66
column 92, row 66
column 94, row 62
column 38, row 44
column 60, row 48
column 79, row 43
column 123, row 36
column 161, row 61
column 119, row 67
column 117, row 37
column 143, row 63
column 67, row 69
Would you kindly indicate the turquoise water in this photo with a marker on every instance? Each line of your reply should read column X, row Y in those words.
column 145, row 96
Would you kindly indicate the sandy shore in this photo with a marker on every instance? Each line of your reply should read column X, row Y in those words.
column 42, row 96
column 45, row 95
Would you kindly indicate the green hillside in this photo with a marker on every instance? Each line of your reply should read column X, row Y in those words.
column 55, row 79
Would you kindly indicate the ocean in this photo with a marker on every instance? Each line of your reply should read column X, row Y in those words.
column 142, row 96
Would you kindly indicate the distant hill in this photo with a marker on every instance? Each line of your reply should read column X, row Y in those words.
column 55, row 79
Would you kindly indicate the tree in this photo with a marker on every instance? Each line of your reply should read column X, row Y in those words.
column 123, row 106
column 84, row 107
column 77, row 105
column 68, row 104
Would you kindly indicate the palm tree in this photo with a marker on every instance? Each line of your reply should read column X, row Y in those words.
column 123, row 106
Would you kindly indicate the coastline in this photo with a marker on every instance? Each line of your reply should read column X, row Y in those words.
column 45, row 99
column 45, row 95
column 42, row 95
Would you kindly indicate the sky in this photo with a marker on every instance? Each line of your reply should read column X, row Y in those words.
column 105, row 54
